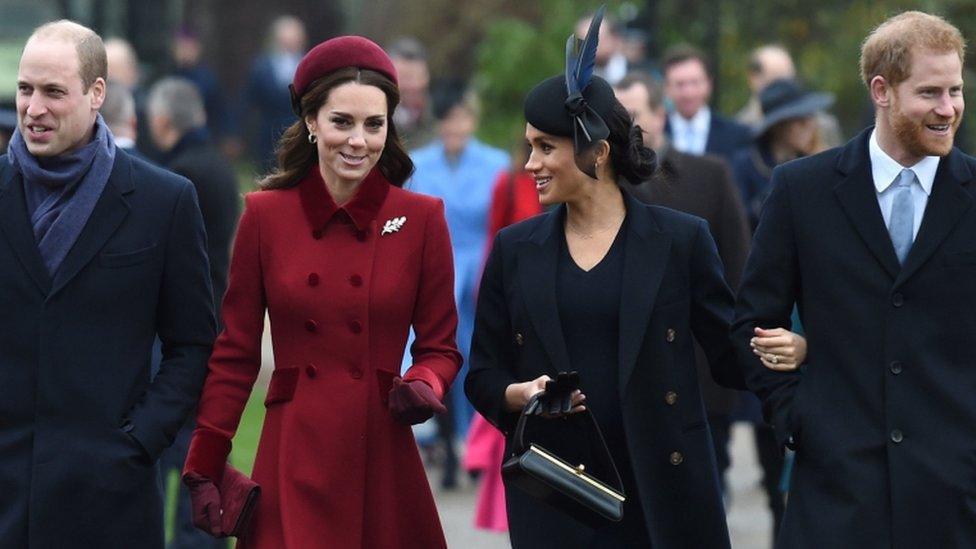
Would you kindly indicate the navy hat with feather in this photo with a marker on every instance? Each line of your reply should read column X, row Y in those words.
column 575, row 104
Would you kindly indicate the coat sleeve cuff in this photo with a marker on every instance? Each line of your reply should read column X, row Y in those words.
column 427, row 376
column 207, row 455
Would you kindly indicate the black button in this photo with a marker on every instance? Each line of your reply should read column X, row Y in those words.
column 317, row 234
column 895, row 367
column 313, row 279
column 356, row 281
column 897, row 300
column 310, row 325
column 897, row 436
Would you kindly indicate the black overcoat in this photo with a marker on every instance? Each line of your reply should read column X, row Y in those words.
column 81, row 423
column 672, row 289
column 883, row 415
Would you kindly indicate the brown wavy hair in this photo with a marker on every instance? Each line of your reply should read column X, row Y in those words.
column 296, row 155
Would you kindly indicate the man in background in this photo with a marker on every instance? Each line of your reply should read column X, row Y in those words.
column 693, row 127
column 178, row 126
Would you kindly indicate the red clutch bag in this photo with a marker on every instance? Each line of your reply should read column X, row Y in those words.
column 238, row 499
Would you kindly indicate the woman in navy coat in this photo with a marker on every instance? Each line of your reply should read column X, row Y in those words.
column 617, row 291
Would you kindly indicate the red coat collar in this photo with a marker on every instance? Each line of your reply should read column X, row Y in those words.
column 319, row 206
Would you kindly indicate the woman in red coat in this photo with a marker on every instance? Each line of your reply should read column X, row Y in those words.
column 344, row 262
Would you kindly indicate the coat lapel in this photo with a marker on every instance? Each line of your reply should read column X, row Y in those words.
column 645, row 260
column 948, row 202
column 859, row 201
column 15, row 225
column 538, row 258
column 105, row 218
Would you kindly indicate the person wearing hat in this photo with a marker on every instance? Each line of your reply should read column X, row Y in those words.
column 788, row 130
column 616, row 291
column 344, row 262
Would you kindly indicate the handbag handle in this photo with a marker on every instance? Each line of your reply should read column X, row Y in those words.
column 604, row 451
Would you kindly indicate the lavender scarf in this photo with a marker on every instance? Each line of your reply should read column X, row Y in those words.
column 62, row 191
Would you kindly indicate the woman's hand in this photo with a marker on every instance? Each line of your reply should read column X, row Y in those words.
column 517, row 395
column 779, row 349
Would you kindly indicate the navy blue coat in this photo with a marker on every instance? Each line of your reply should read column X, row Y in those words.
column 673, row 293
column 81, row 423
column 883, row 415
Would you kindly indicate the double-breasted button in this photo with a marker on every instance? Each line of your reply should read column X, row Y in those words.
column 356, row 281
column 895, row 367
column 311, row 370
column 361, row 236
column 897, row 300
column 670, row 335
column 313, row 279
column 317, row 234
column 897, row 436
column 671, row 397
column 677, row 458
column 355, row 326
column 310, row 325
column 355, row 373
column 519, row 339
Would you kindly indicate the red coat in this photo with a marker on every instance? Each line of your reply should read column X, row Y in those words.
column 335, row 469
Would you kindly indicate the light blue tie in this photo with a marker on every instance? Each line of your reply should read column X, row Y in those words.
column 903, row 215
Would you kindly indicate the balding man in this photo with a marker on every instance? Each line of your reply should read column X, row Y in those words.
column 119, row 112
column 99, row 253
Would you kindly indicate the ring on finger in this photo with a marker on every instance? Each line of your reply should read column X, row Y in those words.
column 774, row 359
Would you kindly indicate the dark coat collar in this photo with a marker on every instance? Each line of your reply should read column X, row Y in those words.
column 857, row 195
column 319, row 206
column 645, row 260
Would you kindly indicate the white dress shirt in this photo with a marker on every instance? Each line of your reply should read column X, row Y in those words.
column 885, row 171
column 691, row 136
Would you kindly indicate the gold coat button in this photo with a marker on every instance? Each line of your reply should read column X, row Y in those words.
column 669, row 335
column 671, row 397
column 676, row 458
column 519, row 339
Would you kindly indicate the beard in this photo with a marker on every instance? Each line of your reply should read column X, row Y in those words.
column 915, row 137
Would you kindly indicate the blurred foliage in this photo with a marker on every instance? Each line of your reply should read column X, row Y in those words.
column 825, row 38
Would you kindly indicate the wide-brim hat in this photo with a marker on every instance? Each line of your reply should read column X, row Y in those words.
column 334, row 54
column 785, row 99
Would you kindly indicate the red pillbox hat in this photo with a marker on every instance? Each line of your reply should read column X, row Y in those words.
column 338, row 53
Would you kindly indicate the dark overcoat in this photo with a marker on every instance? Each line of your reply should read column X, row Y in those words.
column 81, row 423
column 672, row 289
column 883, row 414
column 725, row 137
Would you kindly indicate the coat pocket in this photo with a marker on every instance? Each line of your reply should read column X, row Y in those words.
column 282, row 386
column 114, row 260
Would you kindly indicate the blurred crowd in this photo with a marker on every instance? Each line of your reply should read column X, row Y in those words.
column 713, row 164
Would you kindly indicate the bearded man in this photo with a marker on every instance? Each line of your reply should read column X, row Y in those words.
column 876, row 243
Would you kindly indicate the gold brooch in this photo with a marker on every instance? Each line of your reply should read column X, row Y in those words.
column 393, row 225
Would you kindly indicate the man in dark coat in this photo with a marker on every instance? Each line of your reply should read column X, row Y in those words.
column 875, row 243
column 99, row 253
column 177, row 121
column 701, row 186
column 693, row 127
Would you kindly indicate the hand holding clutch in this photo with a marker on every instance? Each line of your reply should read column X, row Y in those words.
column 559, row 396
column 205, row 499
column 412, row 402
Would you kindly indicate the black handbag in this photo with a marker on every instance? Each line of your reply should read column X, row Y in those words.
column 569, row 488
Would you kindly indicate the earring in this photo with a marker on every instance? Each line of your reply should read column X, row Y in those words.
column 312, row 138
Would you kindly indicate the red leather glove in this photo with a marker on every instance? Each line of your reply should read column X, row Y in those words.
column 413, row 401
column 206, row 503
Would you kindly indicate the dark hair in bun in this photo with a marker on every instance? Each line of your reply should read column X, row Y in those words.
column 628, row 155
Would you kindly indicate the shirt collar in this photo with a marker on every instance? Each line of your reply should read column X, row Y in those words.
column 362, row 208
column 885, row 170
column 699, row 122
